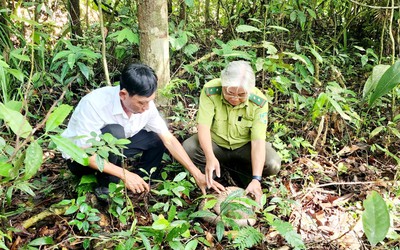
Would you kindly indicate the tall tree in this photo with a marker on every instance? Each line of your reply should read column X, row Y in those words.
column 154, row 40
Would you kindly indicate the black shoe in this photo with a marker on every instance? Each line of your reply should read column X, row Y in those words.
column 102, row 193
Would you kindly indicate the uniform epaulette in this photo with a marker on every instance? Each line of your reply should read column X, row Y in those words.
column 257, row 100
column 213, row 91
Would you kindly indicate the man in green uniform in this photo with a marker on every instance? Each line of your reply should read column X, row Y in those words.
column 232, row 123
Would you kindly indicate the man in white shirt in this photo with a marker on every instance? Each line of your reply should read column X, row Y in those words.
column 128, row 111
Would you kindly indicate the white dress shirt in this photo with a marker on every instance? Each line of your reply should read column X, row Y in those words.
column 102, row 107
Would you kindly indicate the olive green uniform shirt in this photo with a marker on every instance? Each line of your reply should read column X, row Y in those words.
column 232, row 126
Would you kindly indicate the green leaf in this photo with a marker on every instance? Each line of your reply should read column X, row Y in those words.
column 373, row 79
column 66, row 146
column 145, row 241
column 302, row 58
column 202, row 214
column 190, row 49
column 25, row 187
column 84, row 69
column 42, row 241
column 180, row 176
column 189, row 3
column 172, row 213
column 210, row 204
column 5, row 169
column 33, row 159
column 339, row 109
column 160, row 224
column 17, row 74
column 18, row 124
column 278, row 28
column 100, row 162
column 127, row 34
column 389, row 80
column 291, row 236
column 61, row 54
column 318, row 108
column 192, row 245
column 220, row 228
column 376, row 131
column 71, row 60
column 72, row 209
column 87, row 179
column 317, row 55
column 375, row 218
column 57, row 117
column 17, row 53
column 246, row 28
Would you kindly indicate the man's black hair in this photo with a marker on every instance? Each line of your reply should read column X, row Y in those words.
column 138, row 79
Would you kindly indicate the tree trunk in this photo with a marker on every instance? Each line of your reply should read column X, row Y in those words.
column 182, row 12
column 154, row 41
column 207, row 11
column 74, row 12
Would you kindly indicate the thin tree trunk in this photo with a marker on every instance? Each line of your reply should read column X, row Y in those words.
column 74, row 12
column 207, row 11
column 154, row 40
column 182, row 12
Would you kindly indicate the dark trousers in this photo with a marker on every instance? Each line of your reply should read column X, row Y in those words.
column 237, row 162
column 147, row 143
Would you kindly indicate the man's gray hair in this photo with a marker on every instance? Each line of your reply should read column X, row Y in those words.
column 238, row 74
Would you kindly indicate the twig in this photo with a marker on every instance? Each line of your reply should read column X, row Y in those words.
column 374, row 6
column 345, row 183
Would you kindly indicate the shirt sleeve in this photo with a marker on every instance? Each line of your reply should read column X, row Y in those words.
column 155, row 122
column 83, row 122
column 259, row 128
column 206, row 112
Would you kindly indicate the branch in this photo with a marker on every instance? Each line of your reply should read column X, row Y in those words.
column 374, row 6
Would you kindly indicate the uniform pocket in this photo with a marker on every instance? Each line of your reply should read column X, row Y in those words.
column 243, row 127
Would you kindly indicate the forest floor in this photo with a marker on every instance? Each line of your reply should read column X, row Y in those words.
column 326, row 210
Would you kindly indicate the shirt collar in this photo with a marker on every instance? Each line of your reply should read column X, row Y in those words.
column 117, row 106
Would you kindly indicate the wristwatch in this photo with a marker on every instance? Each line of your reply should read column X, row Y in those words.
column 257, row 177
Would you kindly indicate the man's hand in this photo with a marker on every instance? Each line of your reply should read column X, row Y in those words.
column 254, row 188
column 201, row 182
column 211, row 166
column 135, row 183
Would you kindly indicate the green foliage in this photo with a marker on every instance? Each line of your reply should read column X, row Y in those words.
column 173, row 190
column 164, row 231
column 3, row 238
column 389, row 79
column 118, row 207
column 375, row 218
column 247, row 237
column 73, row 61
column 21, row 161
column 287, row 231
column 85, row 217
column 104, row 144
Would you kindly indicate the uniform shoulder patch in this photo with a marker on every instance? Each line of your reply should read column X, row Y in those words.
column 257, row 100
column 213, row 91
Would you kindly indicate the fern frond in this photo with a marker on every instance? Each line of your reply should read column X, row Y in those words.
column 247, row 237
